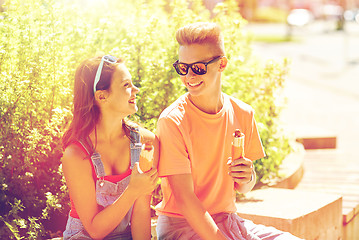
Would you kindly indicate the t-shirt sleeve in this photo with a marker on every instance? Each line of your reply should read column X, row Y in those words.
column 173, row 152
column 253, row 145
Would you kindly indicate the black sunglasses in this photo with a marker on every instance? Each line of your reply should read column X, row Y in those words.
column 198, row 68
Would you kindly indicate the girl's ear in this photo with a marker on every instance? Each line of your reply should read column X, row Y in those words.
column 101, row 96
column 223, row 63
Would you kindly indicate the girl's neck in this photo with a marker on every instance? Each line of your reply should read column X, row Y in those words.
column 109, row 130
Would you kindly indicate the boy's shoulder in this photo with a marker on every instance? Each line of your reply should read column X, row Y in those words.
column 176, row 109
column 239, row 105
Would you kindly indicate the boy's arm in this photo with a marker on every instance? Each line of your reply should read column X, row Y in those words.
column 192, row 209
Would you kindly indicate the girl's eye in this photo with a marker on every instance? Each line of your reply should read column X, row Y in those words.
column 126, row 85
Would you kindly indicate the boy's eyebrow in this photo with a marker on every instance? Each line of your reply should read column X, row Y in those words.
column 201, row 61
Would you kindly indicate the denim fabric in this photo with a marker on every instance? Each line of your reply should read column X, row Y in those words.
column 98, row 165
column 75, row 230
column 135, row 147
column 107, row 193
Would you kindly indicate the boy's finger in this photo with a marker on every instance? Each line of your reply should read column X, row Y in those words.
column 241, row 161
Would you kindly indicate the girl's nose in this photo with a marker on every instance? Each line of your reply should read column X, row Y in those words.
column 135, row 89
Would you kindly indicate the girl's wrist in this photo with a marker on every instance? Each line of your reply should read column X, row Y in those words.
column 131, row 193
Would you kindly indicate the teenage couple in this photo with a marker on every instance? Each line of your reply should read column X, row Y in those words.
column 110, row 195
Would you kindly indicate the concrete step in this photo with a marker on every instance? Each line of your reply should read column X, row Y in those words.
column 314, row 137
column 318, row 142
column 306, row 214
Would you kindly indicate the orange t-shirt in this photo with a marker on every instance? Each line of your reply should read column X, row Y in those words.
column 198, row 143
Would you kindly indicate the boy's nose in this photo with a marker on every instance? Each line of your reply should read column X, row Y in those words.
column 190, row 73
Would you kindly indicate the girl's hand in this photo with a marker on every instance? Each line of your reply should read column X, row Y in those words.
column 143, row 183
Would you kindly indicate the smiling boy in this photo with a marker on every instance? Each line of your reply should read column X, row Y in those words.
column 196, row 133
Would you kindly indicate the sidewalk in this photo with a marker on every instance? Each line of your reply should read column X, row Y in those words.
column 323, row 99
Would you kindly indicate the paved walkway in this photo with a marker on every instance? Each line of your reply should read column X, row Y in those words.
column 323, row 85
column 323, row 98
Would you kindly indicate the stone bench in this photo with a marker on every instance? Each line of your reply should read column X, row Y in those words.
column 306, row 214
column 313, row 137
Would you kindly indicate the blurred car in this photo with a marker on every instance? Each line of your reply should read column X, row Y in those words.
column 352, row 15
column 299, row 17
column 332, row 11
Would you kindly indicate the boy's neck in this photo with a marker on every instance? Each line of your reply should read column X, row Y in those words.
column 208, row 105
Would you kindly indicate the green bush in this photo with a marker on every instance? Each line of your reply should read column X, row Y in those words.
column 41, row 44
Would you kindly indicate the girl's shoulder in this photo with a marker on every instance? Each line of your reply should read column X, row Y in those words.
column 75, row 151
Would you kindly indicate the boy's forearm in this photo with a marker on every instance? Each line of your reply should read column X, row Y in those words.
column 192, row 209
column 199, row 219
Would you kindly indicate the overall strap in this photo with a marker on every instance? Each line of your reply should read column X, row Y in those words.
column 136, row 145
column 97, row 163
column 96, row 160
column 85, row 147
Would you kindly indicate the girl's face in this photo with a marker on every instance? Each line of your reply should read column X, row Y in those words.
column 122, row 92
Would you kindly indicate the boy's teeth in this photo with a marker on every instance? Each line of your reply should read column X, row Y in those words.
column 194, row 84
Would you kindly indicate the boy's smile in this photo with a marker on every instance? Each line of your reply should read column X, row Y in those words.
column 193, row 85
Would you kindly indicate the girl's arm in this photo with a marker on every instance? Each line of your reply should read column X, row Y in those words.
column 141, row 219
column 99, row 221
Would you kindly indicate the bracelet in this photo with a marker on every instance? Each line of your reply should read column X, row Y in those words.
column 251, row 176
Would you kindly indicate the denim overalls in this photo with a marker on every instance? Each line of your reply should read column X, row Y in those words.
column 106, row 193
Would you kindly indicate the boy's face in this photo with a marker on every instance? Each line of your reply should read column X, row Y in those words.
column 201, row 85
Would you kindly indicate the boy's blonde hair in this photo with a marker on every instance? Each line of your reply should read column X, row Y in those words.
column 201, row 33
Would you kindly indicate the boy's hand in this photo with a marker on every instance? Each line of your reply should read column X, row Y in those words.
column 240, row 170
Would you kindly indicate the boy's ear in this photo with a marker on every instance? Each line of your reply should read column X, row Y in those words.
column 223, row 63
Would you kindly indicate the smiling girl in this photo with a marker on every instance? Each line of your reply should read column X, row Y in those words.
column 110, row 195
